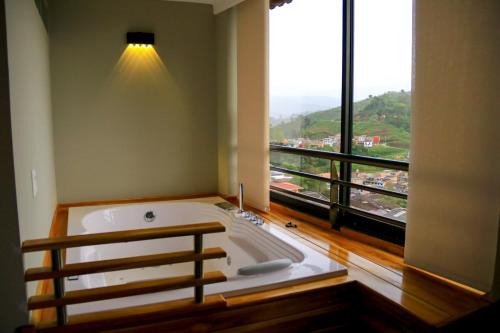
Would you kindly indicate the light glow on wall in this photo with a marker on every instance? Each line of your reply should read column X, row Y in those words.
column 141, row 61
column 139, row 80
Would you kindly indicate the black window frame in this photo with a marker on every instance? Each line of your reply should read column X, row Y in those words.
column 339, row 211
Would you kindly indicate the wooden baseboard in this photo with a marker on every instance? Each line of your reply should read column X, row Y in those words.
column 463, row 287
column 373, row 241
column 230, row 198
column 135, row 200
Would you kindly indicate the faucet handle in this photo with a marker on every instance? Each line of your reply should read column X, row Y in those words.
column 240, row 197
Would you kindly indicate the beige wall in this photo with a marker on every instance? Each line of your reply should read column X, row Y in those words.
column 253, row 101
column 227, row 116
column 132, row 124
column 455, row 152
column 13, row 311
column 28, row 53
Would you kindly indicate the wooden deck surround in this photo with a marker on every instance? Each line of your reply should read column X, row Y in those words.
column 380, row 293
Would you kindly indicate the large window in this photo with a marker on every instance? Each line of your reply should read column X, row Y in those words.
column 305, row 89
column 306, row 74
column 340, row 79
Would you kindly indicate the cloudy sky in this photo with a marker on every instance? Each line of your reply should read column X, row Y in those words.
column 306, row 46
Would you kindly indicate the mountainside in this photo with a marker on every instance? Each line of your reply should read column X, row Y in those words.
column 386, row 115
column 285, row 106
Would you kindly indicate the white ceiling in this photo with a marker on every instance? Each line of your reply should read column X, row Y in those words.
column 219, row 5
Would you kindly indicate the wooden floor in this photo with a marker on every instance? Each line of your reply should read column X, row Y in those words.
column 389, row 288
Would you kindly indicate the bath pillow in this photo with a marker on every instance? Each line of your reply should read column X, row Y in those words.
column 265, row 267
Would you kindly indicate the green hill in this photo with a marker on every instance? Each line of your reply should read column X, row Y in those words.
column 386, row 115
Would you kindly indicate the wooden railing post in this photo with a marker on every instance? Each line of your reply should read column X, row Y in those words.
column 198, row 268
column 56, row 259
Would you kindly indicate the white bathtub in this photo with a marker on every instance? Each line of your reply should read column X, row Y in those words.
column 245, row 244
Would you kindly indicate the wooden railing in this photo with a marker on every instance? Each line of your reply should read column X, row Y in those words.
column 58, row 271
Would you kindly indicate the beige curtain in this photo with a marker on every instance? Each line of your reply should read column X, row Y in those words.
column 453, row 221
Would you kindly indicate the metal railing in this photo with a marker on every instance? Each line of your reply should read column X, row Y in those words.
column 336, row 184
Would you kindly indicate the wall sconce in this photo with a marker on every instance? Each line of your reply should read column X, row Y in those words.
column 143, row 39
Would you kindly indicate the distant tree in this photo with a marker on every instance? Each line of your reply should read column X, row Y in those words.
column 307, row 122
column 277, row 134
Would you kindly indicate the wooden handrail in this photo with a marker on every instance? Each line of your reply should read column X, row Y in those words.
column 43, row 273
column 124, row 290
column 60, row 299
column 121, row 236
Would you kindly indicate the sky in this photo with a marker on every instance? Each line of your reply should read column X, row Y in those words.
column 306, row 48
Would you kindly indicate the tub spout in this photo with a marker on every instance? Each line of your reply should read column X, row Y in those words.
column 240, row 197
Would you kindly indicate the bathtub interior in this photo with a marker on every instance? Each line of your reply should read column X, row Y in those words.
column 245, row 243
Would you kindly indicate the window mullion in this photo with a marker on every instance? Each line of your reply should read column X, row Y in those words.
column 346, row 100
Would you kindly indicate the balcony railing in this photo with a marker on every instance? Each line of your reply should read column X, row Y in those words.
column 338, row 204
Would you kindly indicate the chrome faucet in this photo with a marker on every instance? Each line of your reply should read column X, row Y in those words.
column 248, row 215
column 240, row 196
